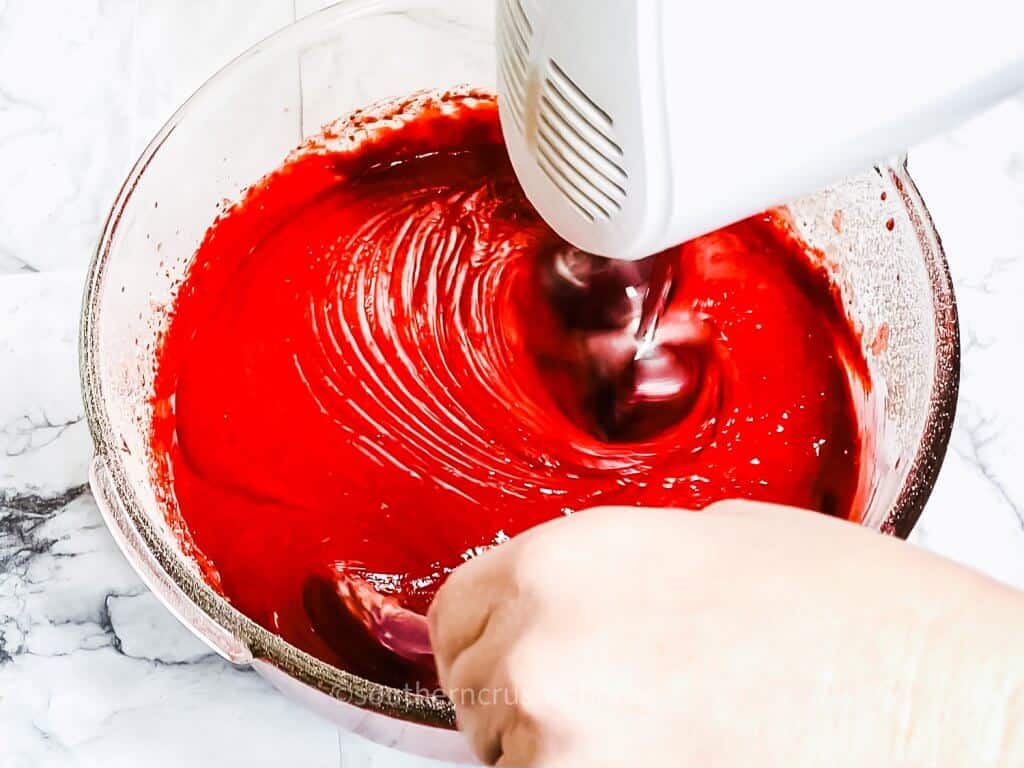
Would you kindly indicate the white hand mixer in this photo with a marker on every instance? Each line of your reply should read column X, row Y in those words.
column 635, row 125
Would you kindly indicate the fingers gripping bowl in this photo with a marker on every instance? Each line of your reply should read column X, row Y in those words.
column 873, row 229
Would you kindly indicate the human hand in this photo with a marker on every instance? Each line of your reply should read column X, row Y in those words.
column 745, row 634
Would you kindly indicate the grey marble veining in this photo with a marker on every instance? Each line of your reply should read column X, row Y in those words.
column 92, row 670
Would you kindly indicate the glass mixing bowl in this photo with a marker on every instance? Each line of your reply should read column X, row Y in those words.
column 873, row 229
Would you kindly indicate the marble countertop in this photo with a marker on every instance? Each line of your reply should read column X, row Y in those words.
column 92, row 669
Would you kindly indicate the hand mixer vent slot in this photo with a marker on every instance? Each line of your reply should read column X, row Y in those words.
column 577, row 147
column 514, row 33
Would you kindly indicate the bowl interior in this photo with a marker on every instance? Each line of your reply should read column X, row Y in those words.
column 873, row 230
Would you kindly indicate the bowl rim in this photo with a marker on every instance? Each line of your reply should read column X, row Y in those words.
column 406, row 705
column 938, row 426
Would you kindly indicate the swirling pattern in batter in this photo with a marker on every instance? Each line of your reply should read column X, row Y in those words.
column 374, row 368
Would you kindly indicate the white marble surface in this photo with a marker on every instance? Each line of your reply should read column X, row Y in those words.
column 92, row 670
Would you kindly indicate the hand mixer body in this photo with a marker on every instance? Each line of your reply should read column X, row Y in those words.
column 634, row 125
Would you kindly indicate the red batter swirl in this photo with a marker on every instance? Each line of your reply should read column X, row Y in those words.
column 370, row 368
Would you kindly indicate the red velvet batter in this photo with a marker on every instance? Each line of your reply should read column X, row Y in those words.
column 370, row 367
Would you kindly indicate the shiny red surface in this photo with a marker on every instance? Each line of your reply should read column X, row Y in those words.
column 371, row 368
